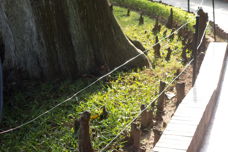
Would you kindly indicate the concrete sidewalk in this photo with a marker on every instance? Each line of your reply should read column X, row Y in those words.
column 216, row 135
column 185, row 132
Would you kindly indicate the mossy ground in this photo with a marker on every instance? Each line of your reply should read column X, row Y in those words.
column 122, row 94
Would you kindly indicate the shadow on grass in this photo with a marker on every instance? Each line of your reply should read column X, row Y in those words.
column 25, row 102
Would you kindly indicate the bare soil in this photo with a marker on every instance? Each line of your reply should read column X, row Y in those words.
column 151, row 136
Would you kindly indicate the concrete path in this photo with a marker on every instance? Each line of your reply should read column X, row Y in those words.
column 221, row 17
column 216, row 136
column 184, row 133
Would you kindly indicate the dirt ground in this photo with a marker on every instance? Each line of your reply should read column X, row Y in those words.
column 151, row 136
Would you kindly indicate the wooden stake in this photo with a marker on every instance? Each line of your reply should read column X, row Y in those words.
column 161, row 100
column 144, row 118
column 157, row 48
column 180, row 88
column 167, row 58
column 195, row 51
column 135, row 136
column 141, row 19
column 128, row 12
column 188, row 5
column 169, row 23
column 184, row 56
column 150, row 118
column 84, row 136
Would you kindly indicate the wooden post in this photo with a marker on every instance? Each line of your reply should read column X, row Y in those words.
column 157, row 27
column 144, row 121
column 153, row 107
column 135, row 135
column 157, row 48
column 146, row 117
column 128, row 12
column 161, row 101
column 169, row 23
column 195, row 51
column 167, row 58
column 76, row 127
column 84, row 136
column 184, row 56
column 188, row 5
column 180, row 88
column 141, row 19
column 203, row 19
column 150, row 118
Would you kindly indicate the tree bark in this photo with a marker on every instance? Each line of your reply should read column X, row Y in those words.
column 52, row 39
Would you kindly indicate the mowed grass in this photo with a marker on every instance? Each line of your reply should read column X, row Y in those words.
column 122, row 94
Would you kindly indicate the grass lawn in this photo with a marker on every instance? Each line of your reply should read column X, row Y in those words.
column 122, row 94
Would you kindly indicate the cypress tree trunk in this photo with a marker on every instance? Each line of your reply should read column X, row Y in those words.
column 49, row 39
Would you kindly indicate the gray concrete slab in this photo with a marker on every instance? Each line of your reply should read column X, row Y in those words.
column 216, row 135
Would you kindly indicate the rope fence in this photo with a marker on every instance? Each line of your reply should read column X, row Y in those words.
column 155, row 99
column 91, row 84
column 169, row 84
column 111, row 72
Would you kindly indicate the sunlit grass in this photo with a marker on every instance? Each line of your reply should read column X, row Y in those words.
column 143, row 33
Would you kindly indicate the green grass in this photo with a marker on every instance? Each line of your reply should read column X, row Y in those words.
column 144, row 34
column 122, row 94
column 159, row 9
